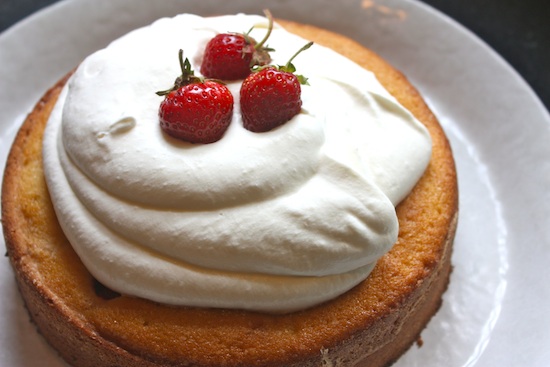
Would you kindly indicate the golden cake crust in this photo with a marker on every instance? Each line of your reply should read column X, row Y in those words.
column 373, row 324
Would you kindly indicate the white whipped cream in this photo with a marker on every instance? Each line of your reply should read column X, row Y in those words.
column 276, row 221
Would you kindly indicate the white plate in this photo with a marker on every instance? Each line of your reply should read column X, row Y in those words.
column 494, row 313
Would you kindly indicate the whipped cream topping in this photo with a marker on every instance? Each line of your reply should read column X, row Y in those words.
column 275, row 222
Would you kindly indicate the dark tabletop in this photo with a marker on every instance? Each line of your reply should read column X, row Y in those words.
column 519, row 30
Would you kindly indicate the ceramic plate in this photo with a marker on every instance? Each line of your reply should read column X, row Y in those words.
column 494, row 312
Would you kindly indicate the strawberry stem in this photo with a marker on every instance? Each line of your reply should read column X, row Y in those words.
column 267, row 13
column 185, row 66
column 187, row 76
column 305, row 47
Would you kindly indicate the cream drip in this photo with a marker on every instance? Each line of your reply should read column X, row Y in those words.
column 275, row 222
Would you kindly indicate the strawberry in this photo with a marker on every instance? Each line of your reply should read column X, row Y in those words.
column 271, row 96
column 229, row 56
column 195, row 110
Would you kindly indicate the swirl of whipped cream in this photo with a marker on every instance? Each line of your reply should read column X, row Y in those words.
column 274, row 222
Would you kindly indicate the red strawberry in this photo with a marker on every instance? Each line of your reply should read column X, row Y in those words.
column 229, row 56
column 195, row 110
column 271, row 96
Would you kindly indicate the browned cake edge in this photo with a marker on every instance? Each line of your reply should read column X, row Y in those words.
column 80, row 344
column 75, row 341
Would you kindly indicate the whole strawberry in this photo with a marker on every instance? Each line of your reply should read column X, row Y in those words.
column 195, row 110
column 229, row 56
column 271, row 96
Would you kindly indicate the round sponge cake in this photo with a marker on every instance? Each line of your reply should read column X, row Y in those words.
column 370, row 325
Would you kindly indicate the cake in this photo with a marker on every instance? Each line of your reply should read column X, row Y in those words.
column 95, row 320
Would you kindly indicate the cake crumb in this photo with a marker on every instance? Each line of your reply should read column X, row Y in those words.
column 419, row 342
column 325, row 361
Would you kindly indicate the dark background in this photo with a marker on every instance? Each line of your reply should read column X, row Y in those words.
column 519, row 30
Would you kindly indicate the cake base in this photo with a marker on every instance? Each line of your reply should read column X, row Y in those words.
column 371, row 325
